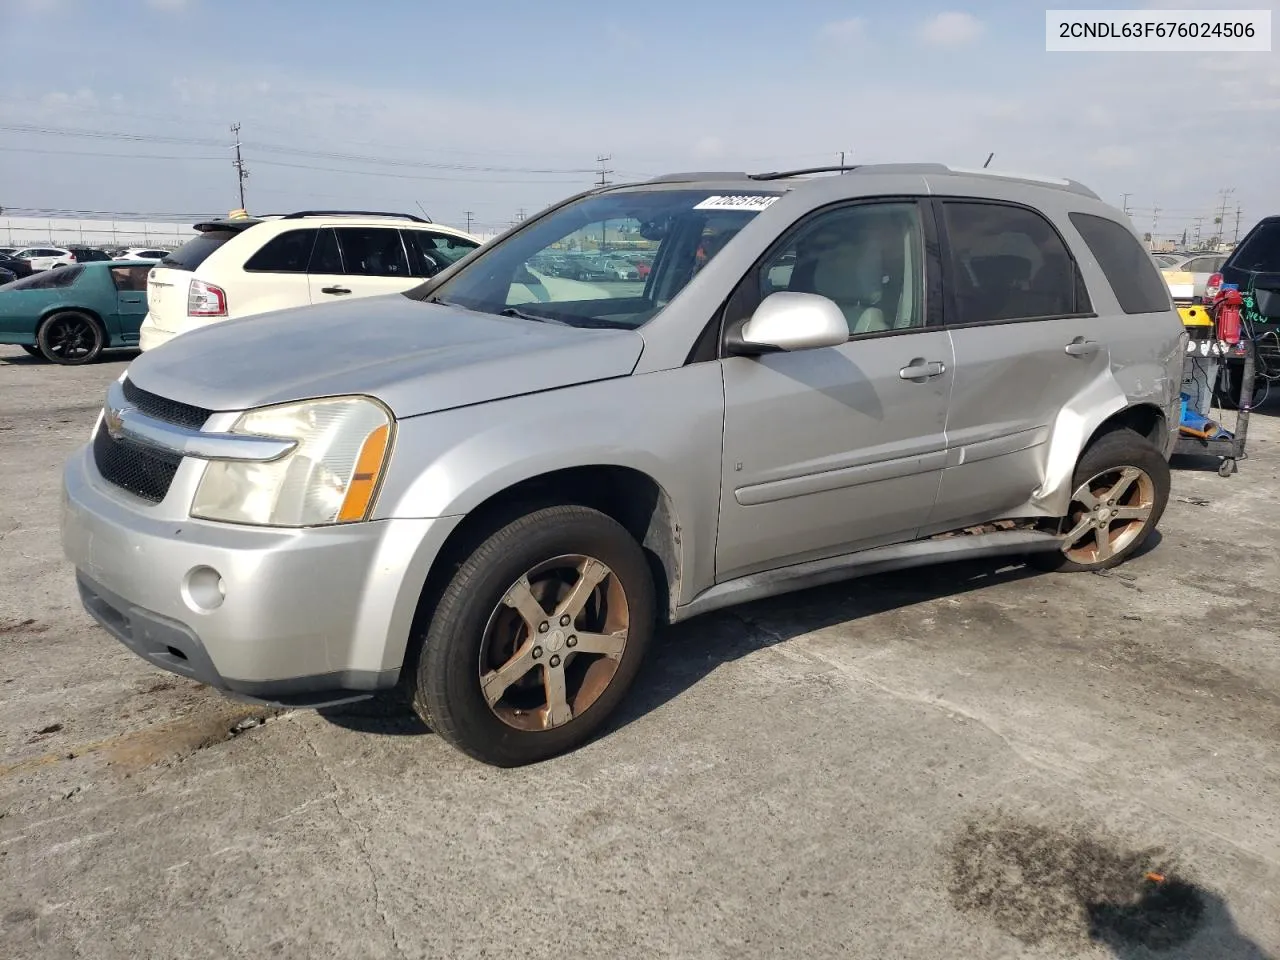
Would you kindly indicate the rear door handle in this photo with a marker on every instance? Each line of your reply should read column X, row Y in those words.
column 920, row 370
column 337, row 291
column 1080, row 347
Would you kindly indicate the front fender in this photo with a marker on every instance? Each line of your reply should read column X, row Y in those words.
column 666, row 425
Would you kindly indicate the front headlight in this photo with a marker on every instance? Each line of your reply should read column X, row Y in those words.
column 329, row 477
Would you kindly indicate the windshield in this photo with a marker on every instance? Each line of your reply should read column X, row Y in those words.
column 610, row 260
column 1260, row 250
column 47, row 279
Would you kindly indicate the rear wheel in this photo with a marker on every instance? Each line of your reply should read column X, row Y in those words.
column 537, row 638
column 1121, row 490
column 70, row 338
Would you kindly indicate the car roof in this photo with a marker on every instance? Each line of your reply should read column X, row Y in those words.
column 800, row 179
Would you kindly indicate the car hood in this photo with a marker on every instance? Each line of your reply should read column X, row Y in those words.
column 415, row 357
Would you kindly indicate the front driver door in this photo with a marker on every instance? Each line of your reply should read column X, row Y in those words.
column 131, row 299
column 837, row 449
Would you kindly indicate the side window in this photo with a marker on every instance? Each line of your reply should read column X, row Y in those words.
column 868, row 258
column 287, row 253
column 129, row 279
column 1008, row 263
column 1138, row 286
column 372, row 252
column 326, row 258
column 429, row 253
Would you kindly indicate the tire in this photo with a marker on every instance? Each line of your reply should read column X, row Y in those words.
column 70, row 338
column 1108, row 459
column 33, row 351
column 476, row 631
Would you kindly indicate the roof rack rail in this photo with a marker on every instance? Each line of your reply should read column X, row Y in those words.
column 692, row 176
column 783, row 174
column 353, row 213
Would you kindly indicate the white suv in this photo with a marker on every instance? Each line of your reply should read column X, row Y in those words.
column 46, row 258
column 243, row 266
column 141, row 253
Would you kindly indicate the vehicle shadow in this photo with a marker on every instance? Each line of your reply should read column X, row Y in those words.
column 109, row 355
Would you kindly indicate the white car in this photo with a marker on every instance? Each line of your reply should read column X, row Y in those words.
column 141, row 253
column 46, row 258
column 242, row 266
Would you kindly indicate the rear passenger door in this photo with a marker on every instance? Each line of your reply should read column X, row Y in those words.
column 1026, row 342
column 358, row 262
column 275, row 277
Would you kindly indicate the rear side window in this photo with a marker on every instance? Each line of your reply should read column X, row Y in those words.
column 48, row 279
column 1260, row 250
column 290, row 252
column 1128, row 268
column 1009, row 263
column 197, row 250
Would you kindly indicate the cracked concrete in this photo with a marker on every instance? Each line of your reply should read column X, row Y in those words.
column 800, row 777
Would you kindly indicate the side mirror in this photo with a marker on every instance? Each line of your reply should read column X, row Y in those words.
column 790, row 321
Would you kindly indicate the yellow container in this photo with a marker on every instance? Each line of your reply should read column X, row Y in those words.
column 1195, row 317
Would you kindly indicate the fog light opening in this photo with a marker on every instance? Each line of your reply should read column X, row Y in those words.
column 175, row 652
column 203, row 589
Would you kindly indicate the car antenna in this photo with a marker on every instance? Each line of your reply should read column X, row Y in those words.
column 425, row 215
column 988, row 163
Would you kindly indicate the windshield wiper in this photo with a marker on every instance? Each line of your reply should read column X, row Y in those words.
column 520, row 314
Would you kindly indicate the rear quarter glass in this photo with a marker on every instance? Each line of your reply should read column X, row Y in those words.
column 197, row 250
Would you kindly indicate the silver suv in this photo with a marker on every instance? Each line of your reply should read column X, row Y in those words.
column 488, row 492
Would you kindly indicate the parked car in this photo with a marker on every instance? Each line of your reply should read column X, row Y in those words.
column 70, row 315
column 244, row 266
column 140, row 253
column 621, row 269
column 15, row 265
column 7, row 276
column 1253, row 265
column 88, row 254
column 491, row 498
column 1188, row 274
column 46, row 258
column 8, row 251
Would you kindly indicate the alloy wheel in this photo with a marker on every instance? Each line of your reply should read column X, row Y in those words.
column 1108, row 513
column 553, row 643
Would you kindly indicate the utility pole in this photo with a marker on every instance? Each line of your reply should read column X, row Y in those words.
column 1235, row 237
column 241, row 173
column 1220, row 221
column 604, row 171
column 1125, row 197
column 1199, row 220
column 520, row 215
column 1155, row 223
column 470, row 216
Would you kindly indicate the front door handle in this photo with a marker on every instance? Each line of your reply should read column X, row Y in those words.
column 336, row 291
column 921, row 370
column 1080, row 347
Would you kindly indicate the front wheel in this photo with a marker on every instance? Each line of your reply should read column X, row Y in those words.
column 537, row 638
column 1121, row 490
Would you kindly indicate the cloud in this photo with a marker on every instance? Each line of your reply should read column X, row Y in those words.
column 951, row 29
column 854, row 28
column 1113, row 156
column 167, row 4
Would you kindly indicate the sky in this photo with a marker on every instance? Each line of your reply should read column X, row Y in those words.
column 500, row 107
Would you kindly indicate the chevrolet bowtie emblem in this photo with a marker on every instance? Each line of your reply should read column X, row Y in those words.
column 114, row 420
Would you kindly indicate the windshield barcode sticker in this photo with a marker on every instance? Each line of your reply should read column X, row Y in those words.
column 735, row 203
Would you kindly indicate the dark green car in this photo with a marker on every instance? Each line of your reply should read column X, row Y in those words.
column 70, row 315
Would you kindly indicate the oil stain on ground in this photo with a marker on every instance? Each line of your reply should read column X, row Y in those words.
column 1040, row 883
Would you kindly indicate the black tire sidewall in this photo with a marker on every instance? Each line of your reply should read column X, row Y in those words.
column 90, row 357
column 1119, row 448
column 447, row 690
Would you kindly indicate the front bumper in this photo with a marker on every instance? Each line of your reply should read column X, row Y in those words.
column 295, row 617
